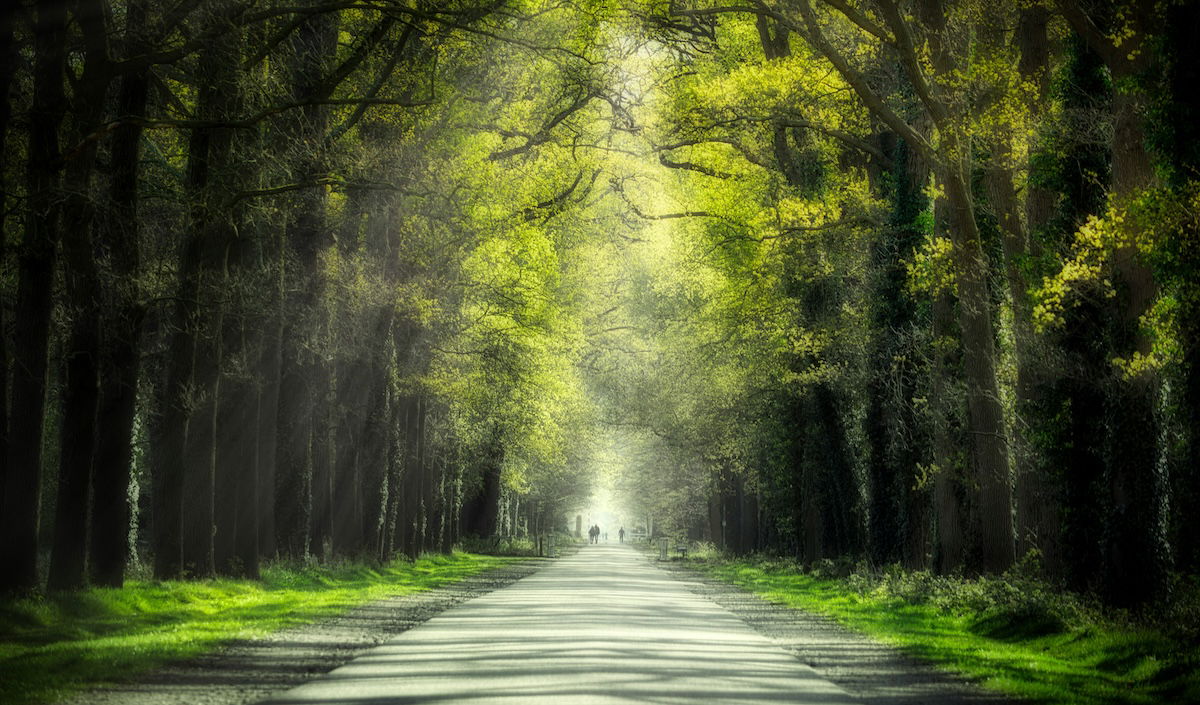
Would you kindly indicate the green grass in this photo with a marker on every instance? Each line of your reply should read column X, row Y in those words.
column 52, row 646
column 1011, row 634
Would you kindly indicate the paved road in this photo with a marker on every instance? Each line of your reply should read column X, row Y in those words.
column 601, row 627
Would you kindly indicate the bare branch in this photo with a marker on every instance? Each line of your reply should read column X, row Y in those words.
column 859, row 83
column 691, row 166
column 543, row 134
column 861, row 20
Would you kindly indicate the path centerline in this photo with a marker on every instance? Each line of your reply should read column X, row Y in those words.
column 603, row 626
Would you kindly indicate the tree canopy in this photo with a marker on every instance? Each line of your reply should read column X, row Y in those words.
column 897, row 281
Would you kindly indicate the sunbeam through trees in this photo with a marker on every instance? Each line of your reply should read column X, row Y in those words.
column 885, row 281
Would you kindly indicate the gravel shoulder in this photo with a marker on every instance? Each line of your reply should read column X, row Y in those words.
column 247, row 671
column 876, row 673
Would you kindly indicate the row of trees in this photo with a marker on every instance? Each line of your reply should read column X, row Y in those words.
column 900, row 281
column 934, row 301
column 288, row 279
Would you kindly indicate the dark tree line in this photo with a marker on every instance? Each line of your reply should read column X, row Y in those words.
column 211, row 210
column 1003, row 297
column 325, row 280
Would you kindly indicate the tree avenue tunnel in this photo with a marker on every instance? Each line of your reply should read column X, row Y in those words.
column 861, row 283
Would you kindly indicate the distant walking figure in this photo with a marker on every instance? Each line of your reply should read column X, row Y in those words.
column 593, row 533
column 621, row 535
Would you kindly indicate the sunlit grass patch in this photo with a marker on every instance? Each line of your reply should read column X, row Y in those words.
column 1013, row 635
column 51, row 646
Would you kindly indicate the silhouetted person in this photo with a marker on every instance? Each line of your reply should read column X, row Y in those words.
column 621, row 535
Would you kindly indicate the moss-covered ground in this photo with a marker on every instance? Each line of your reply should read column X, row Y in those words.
column 53, row 645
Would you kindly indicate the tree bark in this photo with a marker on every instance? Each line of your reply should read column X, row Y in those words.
column 1138, row 558
column 120, row 340
column 985, row 415
column 347, row 528
column 307, row 237
column 8, row 64
column 77, row 441
column 322, row 463
column 35, row 264
column 947, row 489
column 268, row 425
column 1037, row 527
column 483, row 508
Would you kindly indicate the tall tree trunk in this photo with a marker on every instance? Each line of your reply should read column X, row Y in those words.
column 1037, row 521
column 947, row 489
column 425, row 484
column 346, row 503
column 322, row 462
column 1138, row 554
column 374, row 458
column 77, row 442
column 313, row 44
column 481, row 511
column 837, row 483
column 214, row 186
column 186, row 449
column 121, row 338
column 1067, row 413
column 988, row 442
column 1138, row 558
column 8, row 65
column 1182, row 55
column 36, row 259
column 268, row 423
column 235, row 544
column 236, row 483
column 899, row 520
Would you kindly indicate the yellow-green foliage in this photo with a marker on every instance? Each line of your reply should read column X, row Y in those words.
column 931, row 270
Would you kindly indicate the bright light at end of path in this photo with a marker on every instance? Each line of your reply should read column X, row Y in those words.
column 601, row 510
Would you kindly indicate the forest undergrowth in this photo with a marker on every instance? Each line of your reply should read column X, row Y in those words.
column 63, row 642
column 1014, row 633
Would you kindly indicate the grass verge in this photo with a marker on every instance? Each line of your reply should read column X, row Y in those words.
column 1011, row 634
column 52, row 646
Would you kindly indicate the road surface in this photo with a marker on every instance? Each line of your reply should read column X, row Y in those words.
column 603, row 627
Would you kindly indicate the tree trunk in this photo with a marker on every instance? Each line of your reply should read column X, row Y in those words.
column 483, row 508
column 352, row 401
column 77, row 442
column 187, row 445
column 1138, row 554
column 322, row 463
column 214, row 187
column 374, row 458
column 8, row 64
column 1037, row 526
column 947, row 489
column 120, row 341
column 837, row 482
column 35, row 265
column 268, row 427
column 235, row 545
column 314, row 43
column 988, row 440
column 1138, row 559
